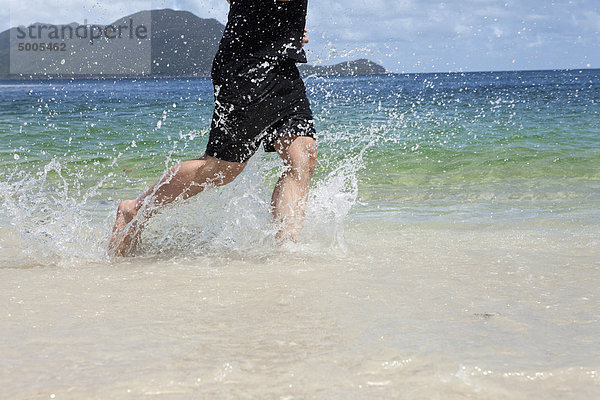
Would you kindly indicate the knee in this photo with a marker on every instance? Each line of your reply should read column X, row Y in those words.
column 311, row 155
column 305, row 161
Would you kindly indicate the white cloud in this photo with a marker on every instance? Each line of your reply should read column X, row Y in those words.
column 66, row 11
column 470, row 34
column 591, row 21
column 440, row 35
column 539, row 42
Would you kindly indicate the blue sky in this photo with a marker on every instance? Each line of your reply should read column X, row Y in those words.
column 403, row 35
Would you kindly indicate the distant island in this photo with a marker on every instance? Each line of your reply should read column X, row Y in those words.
column 348, row 68
column 180, row 45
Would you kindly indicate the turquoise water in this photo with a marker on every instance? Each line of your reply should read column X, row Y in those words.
column 507, row 147
column 451, row 246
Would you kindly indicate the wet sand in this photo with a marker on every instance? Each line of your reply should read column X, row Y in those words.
column 409, row 313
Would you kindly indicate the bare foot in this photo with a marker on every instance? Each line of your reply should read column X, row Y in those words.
column 126, row 235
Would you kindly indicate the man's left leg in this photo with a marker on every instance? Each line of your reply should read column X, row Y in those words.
column 299, row 154
column 184, row 180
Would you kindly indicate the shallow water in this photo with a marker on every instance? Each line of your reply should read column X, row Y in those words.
column 409, row 313
column 450, row 251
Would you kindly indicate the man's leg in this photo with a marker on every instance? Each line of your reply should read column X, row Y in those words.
column 182, row 181
column 289, row 197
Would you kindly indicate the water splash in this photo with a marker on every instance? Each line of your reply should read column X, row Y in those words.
column 333, row 197
column 56, row 223
column 449, row 146
column 51, row 223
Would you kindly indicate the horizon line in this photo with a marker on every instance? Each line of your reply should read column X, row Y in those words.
column 158, row 77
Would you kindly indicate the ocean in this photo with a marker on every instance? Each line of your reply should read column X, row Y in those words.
column 450, row 251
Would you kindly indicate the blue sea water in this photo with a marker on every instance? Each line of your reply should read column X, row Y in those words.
column 451, row 247
column 457, row 148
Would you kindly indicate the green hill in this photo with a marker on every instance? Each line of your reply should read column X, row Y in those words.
column 347, row 68
column 181, row 44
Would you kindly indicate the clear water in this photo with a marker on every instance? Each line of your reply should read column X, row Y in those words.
column 450, row 251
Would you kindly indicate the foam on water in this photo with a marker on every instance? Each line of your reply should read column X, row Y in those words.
column 55, row 222
column 50, row 224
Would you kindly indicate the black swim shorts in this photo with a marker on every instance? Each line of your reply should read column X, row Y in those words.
column 257, row 101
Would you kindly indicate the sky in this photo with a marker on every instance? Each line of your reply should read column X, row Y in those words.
column 402, row 35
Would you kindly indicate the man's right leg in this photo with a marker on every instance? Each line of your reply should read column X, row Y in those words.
column 182, row 181
column 291, row 191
